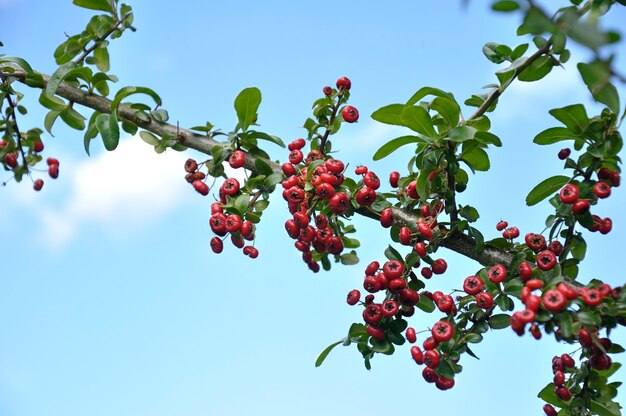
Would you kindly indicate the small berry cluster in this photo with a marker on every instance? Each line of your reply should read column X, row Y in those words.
column 10, row 160
column 582, row 196
column 223, row 222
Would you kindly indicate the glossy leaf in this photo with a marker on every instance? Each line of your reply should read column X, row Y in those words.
column 487, row 138
column 596, row 77
column 537, row 70
column 394, row 144
column 461, row 134
column 499, row 321
column 554, row 135
column 573, row 116
column 327, row 351
column 478, row 159
column 417, row 119
column 426, row 91
column 546, row 188
column 127, row 91
column 104, row 5
column 246, row 105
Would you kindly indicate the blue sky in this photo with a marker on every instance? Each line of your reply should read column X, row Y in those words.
column 111, row 302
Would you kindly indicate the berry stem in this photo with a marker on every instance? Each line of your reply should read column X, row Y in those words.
column 330, row 122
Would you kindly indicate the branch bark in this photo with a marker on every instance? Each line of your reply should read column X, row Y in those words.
column 457, row 242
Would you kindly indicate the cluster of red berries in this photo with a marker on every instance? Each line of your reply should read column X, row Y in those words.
column 320, row 187
column 560, row 365
column 570, row 194
column 431, row 357
column 10, row 161
column 222, row 222
column 349, row 113
column 510, row 233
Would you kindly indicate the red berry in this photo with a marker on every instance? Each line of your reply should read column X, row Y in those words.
column 553, row 300
column 375, row 332
column 430, row 343
column 536, row 242
column 251, row 252
column 38, row 147
column 569, row 292
column 584, row 337
column 218, row 223
column 373, row 314
column 408, row 297
column 344, row 83
column 338, row 203
column 198, row 185
column 372, row 180
column 568, row 361
column 386, row 218
column 393, row 269
column 296, row 144
column 534, row 284
column 556, row 247
column 549, row 410
column 569, row 194
column 591, row 297
column 411, row 190
column 426, row 272
column 405, row 236
column 233, row 223
column 425, row 229
column 602, row 190
column 365, row 196
column 420, row 248
column 360, row 170
column 52, row 161
column 350, row 114
column 439, row 266
column 372, row 268
column 510, row 233
column 564, row 153
column 327, row 90
column 394, row 177
column 615, row 178
column 496, row 274
column 525, row 271
column 53, row 171
column 445, row 304
column 295, row 156
column 334, row 245
column 335, row 166
column 546, row 260
column 390, row 307
column 237, row 159
column 444, row 383
column 429, row 375
column 442, row 331
column 600, row 361
column 417, row 354
column 38, row 184
column 432, row 359
column 580, row 207
column 563, row 393
column 190, row 164
column 606, row 226
column 500, row 226
column 410, row 335
column 484, row 300
column 371, row 284
column 472, row 285
column 230, row 187
column 217, row 245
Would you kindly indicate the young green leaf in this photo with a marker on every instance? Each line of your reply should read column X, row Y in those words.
column 104, row 5
column 327, row 351
column 246, row 105
column 554, row 135
column 393, row 145
column 545, row 188
column 417, row 119
column 573, row 116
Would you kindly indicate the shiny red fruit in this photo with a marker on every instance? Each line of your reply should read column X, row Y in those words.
column 344, row 83
column 237, row 159
column 394, row 177
column 510, row 233
column 439, row 266
column 546, row 260
column 473, row 285
column 442, row 331
column 410, row 335
column 569, row 193
column 350, row 114
column 496, row 274
column 564, row 153
column 217, row 245
column 580, row 207
column 500, row 226
column 553, row 300
column 201, row 187
column 602, row 190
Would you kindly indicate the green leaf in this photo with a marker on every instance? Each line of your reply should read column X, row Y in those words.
column 19, row 61
column 101, row 55
column 417, row 119
column 50, row 119
column 423, row 185
column 548, row 395
column 478, row 159
column 383, row 347
column 499, row 321
column 490, row 50
column 327, row 351
column 487, row 138
column 461, row 134
column 596, row 77
column 554, row 135
column 110, row 137
column 246, row 105
column 448, row 109
column 393, row 145
column 573, row 116
column 127, row 91
column 390, row 114
column 579, row 247
column 393, row 254
column 425, row 91
column 605, row 409
column 264, row 136
column 537, row 70
column 349, row 258
column 425, row 304
column 104, row 5
column 149, row 138
column 505, row 6
column 241, row 203
column 589, row 318
column 73, row 118
column 473, row 338
column 57, row 77
column 545, row 188
column 469, row 213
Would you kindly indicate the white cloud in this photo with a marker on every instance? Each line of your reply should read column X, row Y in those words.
column 120, row 190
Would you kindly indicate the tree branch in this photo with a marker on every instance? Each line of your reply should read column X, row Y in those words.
column 457, row 242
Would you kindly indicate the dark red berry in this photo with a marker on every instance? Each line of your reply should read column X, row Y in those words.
column 500, row 226
column 38, row 184
column 350, row 114
column 569, row 193
column 344, row 83
column 602, row 189
column 394, row 177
